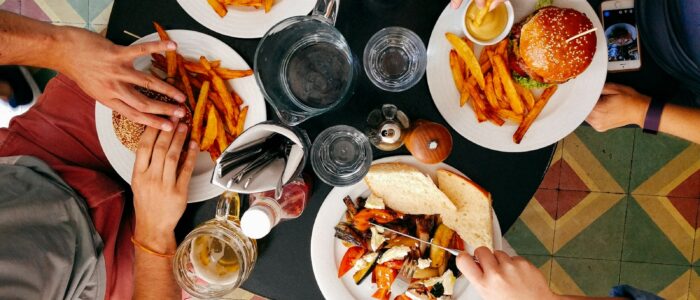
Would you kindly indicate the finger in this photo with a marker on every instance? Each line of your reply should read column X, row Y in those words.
column 467, row 265
column 502, row 257
column 457, row 3
column 139, row 117
column 160, row 151
column 142, row 49
column 153, row 83
column 486, row 259
column 143, row 152
column 480, row 3
column 183, row 179
column 173, row 155
column 144, row 104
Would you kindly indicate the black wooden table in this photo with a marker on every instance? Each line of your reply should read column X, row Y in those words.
column 284, row 269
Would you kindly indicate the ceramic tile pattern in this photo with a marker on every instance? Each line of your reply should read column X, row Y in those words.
column 621, row 207
column 614, row 208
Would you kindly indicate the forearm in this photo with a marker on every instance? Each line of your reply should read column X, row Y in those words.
column 24, row 41
column 683, row 122
column 153, row 275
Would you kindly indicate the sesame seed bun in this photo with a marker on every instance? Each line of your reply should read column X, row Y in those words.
column 543, row 47
column 129, row 132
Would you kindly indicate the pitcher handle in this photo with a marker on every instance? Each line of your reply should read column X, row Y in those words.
column 229, row 205
column 327, row 9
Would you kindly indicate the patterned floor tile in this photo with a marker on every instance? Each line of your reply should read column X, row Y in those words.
column 10, row 5
column 696, row 252
column 667, row 281
column 544, row 263
column 533, row 232
column 99, row 11
column 665, row 166
column 598, row 162
column 695, row 284
column 576, row 276
column 660, row 230
column 551, row 179
column 589, row 225
column 56, row 11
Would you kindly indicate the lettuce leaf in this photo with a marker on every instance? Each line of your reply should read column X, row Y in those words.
column 529, row 83
column 543, row 3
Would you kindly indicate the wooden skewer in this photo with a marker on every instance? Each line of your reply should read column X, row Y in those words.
column 131, row 34
column 581, row 34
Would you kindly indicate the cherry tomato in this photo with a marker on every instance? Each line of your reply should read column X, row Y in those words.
column 394, row 264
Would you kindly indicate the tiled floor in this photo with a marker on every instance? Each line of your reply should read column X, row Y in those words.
column 615, row 208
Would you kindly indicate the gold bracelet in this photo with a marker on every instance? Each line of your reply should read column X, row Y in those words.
column 147, row 250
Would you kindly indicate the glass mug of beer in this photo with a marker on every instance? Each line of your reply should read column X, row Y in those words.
column 216, row 257
column 304, row 66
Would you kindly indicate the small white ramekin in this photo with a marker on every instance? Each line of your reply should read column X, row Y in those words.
column 500, row 37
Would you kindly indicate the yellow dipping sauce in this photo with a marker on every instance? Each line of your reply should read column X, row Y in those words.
column 493, row 25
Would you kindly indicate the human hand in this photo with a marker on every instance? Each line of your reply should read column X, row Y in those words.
column 105, row 72
column 479, row 3
column 618, row 106
column 499, row 276
column 160, row 191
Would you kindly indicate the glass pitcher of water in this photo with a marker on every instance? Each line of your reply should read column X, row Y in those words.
column 304, row 66
column 216, row 257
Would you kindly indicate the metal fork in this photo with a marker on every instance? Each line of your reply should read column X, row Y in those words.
column 403, row 279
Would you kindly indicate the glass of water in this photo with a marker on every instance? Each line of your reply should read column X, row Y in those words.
column 395, row 59
column 304, row 65
column 341, row 155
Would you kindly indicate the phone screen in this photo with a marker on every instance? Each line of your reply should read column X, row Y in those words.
column 621, row 33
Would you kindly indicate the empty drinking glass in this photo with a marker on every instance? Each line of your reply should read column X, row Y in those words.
column 341, row 155
column 395, row 59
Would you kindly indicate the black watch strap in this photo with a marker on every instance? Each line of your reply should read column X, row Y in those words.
column 653, row 117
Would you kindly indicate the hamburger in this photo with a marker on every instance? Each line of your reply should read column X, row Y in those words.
column 129, row 132
column 539, row 54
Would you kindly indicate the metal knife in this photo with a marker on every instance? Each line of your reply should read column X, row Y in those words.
column 454, row 252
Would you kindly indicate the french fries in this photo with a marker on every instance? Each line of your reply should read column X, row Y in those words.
column 508, row 85
column 199, row 111
column 210, row 133
column 466, row 53
column 499, row 99
column 220, row 5
column 217, row 116
column 482, row 13
column 170, row 55
column 533, row 113
column 457, row 72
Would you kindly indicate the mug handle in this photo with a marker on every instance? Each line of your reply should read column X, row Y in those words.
column 229, row 206
column 328, row 9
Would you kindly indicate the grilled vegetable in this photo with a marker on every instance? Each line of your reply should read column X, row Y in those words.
column 349, row 259
column 360, row 275
column 401, row 241
column 346, row 233
column 425, row 273
column 352, row 209
column 381, row 216
column 442, row 237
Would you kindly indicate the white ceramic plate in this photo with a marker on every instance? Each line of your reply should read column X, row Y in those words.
column 327, row 251
column 566, row 110
column 245, row 22
column 191, row 45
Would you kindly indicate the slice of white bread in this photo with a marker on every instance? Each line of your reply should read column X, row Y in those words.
column 406, row 189
column 472, row 219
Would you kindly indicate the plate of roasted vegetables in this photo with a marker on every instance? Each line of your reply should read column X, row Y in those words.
column 356, row 255
column 223, row 99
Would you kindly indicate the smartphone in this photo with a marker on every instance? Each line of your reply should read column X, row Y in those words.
column 622, row 35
